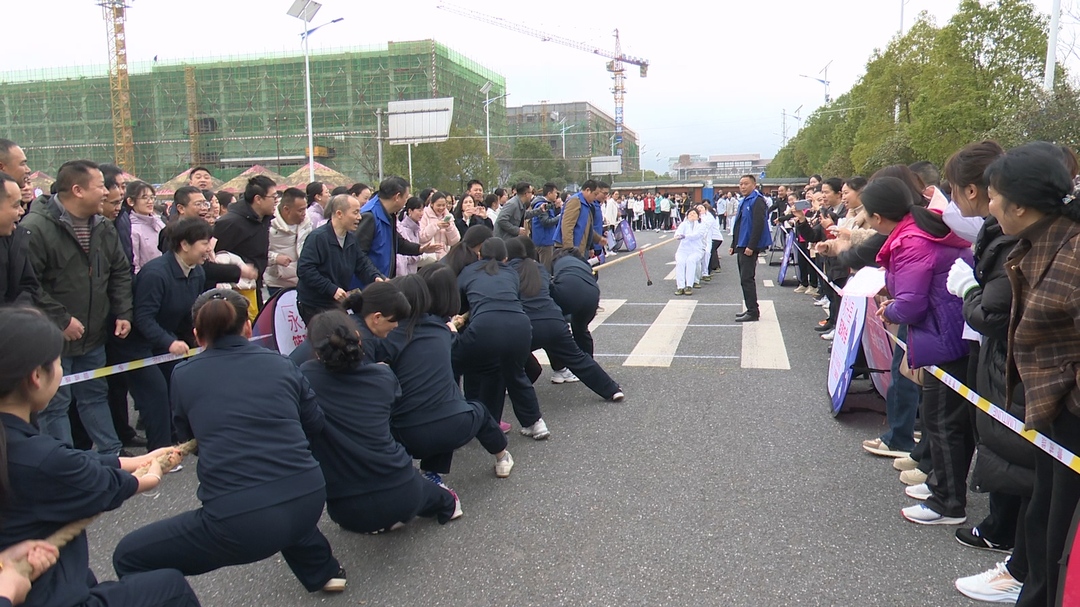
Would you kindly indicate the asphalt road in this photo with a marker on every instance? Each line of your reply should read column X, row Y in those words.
column 710, row 485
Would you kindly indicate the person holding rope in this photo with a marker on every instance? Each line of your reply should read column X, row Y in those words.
column 371, row 483
column 262, row 492
column 48, row 484
column 574, row 288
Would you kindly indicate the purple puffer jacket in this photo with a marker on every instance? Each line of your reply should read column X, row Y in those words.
column 916, row 268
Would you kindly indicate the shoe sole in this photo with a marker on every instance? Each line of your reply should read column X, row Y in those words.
column 887, row 453
column 986, row 548
column 541, row 436
column 335, row 585
column 944, row 520
column 918, row 496
column 987, row 598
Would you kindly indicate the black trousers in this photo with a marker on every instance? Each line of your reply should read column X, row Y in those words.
column 723, row 221
column 833, row 297
column 198, row 542
column 381, row 510
column 748, row 280
column 579, row 305
column 161, row 588
column 434, row 443
column 1049, row 516
column 714, row 256
column 492, row 353
column 807, row 276
column 947, row 424
column 555, row 338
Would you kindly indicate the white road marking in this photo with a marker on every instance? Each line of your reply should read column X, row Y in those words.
column 768, row 283
column 763, row 341
column 692, row 356
column 660, row 324
column 671, row 275
column 645, row 303
column 657, row 347
column 761, row 260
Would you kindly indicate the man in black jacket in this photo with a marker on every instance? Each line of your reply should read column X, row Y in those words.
column 245, row 228
column 18, row 284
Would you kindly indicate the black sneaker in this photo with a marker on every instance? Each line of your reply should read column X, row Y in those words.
column 336, row 583
column 972, row 539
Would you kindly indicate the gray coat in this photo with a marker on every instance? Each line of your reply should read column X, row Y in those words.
column 512, row 217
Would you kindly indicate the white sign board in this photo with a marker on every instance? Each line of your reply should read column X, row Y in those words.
column 606, row 165
column 420, row 120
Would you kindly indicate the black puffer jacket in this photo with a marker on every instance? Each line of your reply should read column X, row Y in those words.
column 1005, row 462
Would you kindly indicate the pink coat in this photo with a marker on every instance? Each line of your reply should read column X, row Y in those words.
column 431, row 231
column 144, row 239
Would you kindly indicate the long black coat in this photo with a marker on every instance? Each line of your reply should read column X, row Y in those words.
column 1006, row 462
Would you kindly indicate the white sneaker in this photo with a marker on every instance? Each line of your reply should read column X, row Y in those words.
column 618, row 397
column 827, row 336
column 824, row 301
column 504, row 465
column 539, row 430
column 813, row 292
column 563, row 376
column 924, row 515
column 919, row 492
column 800, row 289
column 994, row 586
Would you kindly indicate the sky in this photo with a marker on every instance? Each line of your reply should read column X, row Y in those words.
column 721, row 73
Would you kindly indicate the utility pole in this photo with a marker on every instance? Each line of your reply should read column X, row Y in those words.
column 378, row 139
column 1051, row 47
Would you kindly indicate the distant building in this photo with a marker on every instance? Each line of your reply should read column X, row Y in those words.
column 589, row 131
column 720, row 167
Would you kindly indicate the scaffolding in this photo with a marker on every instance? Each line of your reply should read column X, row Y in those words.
column 228, row 114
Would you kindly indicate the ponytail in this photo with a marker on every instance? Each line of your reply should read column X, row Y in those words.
column 493, row 251
column 219, row 313
column 336, row 341
column 528, row 269
column 381, row 297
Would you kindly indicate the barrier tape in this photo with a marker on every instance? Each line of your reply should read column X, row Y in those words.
column 76, row 378
column 839, row 290
column 1034, row 437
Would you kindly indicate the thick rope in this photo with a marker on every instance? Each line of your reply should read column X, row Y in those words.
column 70, row 531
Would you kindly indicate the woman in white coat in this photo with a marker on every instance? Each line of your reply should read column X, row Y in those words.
column 711, row 227
column 691, row 234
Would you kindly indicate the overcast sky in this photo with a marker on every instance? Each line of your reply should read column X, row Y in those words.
column 721, row 72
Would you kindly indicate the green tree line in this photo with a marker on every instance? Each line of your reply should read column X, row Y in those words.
column 936, row 89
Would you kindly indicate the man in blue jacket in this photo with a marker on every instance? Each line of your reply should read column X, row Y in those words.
column 378, row 235
column 576, row 221
column 751, row 238
column 545, row 223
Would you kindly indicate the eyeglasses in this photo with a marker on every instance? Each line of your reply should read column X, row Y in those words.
column 140, row 198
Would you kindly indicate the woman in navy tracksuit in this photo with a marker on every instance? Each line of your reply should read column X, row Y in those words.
column 375, row 312
column 574, row 288
column 262, row 492
column 494, row 347
column 371, row 485
column 48, row 484
column 431, row 418
column 163, row 292
column 549, row 330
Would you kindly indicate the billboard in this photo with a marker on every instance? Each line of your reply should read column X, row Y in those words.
column 606, row 165
column 420, row 121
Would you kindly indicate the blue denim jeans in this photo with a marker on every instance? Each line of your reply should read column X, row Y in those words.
column 901, row 403
column 92, row 400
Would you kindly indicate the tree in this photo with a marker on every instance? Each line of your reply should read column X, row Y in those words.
column 446, row 166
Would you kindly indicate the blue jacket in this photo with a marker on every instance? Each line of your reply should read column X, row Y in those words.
column 545, row 227
column 163, row 300
column 749, row 228
column 489, row 293
column 574, row 224
column 357, row 453
column 52, row 485
column 252, row 413
column 380, row 240
column 325, row 266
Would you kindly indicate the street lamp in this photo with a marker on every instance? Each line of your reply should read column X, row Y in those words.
column 305, row 10
column 563, row 133
column 486, row 89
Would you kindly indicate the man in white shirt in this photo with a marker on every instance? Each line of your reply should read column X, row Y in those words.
column 288, row 231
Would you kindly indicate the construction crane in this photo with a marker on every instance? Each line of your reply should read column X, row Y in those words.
column 119, row 85
column 615, row 65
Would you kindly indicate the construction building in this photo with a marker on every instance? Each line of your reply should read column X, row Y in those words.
column 575, row 131
column 229, row 114
column 720, row 168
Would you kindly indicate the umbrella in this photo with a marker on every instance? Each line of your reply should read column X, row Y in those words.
column 169, row 187
column 238, row 183
column 323, row 173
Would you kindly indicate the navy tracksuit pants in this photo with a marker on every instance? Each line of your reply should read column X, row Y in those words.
column 434, row 443
column 381, row 510
column 198, row 542
column 491, row 354
column 579, row 304
column 554, row 337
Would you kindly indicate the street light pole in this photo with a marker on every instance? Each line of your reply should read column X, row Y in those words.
column 1051, row 47
column 305, row 10
column 564, row 130
column 486, row 90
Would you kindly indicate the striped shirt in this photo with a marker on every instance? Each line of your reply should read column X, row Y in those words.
column 82, row 232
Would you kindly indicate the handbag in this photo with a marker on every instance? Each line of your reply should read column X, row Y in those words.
column 915, row 375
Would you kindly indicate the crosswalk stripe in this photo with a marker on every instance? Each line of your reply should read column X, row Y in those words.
column 763, row 342
column 657, row 347
column 609, row 306
column 768, row 283
column 671, row 275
